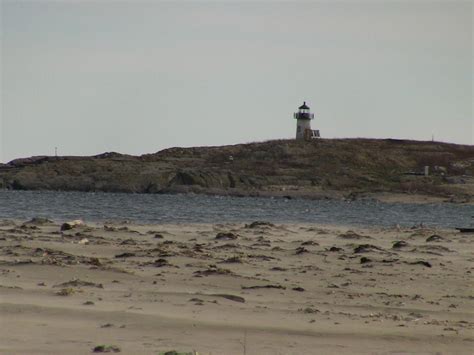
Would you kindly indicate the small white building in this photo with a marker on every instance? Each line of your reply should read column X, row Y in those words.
column 303, row 123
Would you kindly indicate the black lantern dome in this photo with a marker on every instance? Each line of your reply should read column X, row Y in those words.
column 304, row 106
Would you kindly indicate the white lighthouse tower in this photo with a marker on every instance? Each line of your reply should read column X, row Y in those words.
column 303, row 123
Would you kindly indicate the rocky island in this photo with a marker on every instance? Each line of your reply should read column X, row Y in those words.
column 321, row 168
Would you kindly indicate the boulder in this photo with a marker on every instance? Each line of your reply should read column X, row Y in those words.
column 72, row 224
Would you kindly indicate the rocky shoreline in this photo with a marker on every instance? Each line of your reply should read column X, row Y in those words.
column 320, row 169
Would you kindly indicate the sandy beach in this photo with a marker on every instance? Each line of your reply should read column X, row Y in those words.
column 255, row 288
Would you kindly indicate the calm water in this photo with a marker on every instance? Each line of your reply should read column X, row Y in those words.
column 148, row 208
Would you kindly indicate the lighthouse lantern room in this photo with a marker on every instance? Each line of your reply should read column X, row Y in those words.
column 303, row 123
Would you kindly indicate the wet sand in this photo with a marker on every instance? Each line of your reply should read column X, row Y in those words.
column 235, row 289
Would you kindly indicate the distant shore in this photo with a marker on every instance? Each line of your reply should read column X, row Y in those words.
column 382, row 169
column 311, row 194
column 387, row 197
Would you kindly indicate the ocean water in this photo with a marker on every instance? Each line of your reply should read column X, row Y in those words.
column 154, row 208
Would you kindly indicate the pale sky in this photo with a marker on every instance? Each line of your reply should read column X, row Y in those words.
column 136, row 77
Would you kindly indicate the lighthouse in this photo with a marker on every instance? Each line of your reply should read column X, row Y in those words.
column 303, row 123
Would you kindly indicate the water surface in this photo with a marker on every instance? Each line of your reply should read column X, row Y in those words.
column 154, row 208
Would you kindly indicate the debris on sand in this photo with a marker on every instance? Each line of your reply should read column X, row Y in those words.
column 301, row 250
column 128, row 242
column 434, row 238
column 58, row 257
column 106, row 349
column 161, row 262
column 262, row 244
column 226, row 236
column 79, row 283
column 420, row 262
column 197, row 301
column 72, row 224
column 366, row 248
column 259, row 224
column 420, row 232
column 213, row 270
column 310, row 242
column 280, row 287
column 229, row 297
column 232, row 260
column 11, row 287
column 125, row 255
column 66, row 292
column 389, row 261
column 308, row 310
column 261, row 257
column 400, row 244
column 353, row 235
column 432, row 249
column 109, row 228
column 225, row 246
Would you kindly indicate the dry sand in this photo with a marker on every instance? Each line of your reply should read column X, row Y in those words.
column 260, row 289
